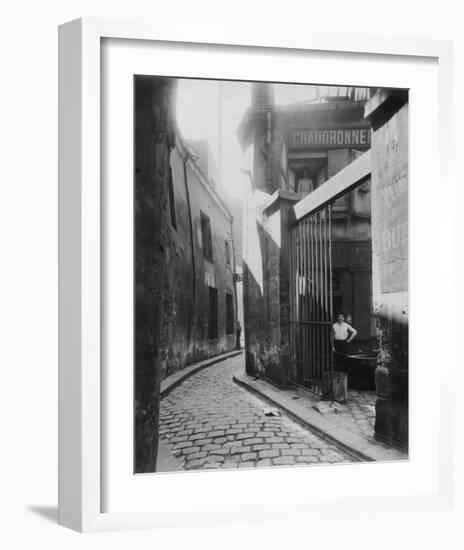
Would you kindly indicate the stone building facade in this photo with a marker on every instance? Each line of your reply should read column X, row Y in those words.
column 388, row 113
column 291, row 151
column 294, row 149
column 185, row 300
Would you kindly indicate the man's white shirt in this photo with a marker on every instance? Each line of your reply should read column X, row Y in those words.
column 342, row 330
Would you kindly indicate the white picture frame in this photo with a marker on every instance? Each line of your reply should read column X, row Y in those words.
column 82, row 384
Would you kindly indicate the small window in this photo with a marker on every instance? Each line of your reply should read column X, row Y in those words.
column 172, row 203
column 206, row 237
column 212, row 318
column 229, row 313
column 228, row 259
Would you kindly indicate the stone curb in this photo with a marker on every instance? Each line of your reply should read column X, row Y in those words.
column 171, row 382
column 354, row 445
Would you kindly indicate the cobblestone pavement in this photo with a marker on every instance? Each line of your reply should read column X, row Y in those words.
column 210, row 422
column 360, row 413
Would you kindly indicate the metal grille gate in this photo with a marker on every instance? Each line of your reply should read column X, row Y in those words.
column 311, row 302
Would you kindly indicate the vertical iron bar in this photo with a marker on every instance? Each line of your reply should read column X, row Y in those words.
column 323, row 365
column 301, row 298
column 314, row 303
column 298, row 316
column 291, row 310
column 303, row 253
column 310, row 287
column 319, row 296
column 306, row 338
column 326, row 287
column 331, row 289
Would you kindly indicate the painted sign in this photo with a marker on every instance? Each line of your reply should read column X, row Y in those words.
column 332, row 138
column 390, row 179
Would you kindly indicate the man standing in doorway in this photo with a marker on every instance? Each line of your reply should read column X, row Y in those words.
column 305, row 184
column 343, row 334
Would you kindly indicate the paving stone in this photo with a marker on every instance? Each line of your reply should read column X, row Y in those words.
column 260, row 447
column 280, row 446
column 212, row 459
column 231, row 444
column 177, row 439
column 197, row 455
column 221, row 451
column 274, row 440
column 240, row 449
column 211, row 447
column 249, row 456
column 185, row 432
column 292, row 440
column 265, row 462
column 265, row 434
column 229, row 465
column 298, row 445
column 190, row 450
column 290, row 452
column 270, row 453
column 307, row 459
column 183, row 445
column 246, row 435
column 197, row 436
column 310, row 452
column 205, row 441
column 253, row 441
column 332, row 458
column 216, row 433
column 284, row 461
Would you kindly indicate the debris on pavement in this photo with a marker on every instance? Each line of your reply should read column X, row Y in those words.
column 325, row 407
column 270, row 411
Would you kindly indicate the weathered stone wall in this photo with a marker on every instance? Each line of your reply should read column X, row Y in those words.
column 389, row 115
column 188, row 275
column 171, row 275
column 266, row 249
column 254, row 301
column 154, row 138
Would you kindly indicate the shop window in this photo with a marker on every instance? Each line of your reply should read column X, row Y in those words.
column 206, row 237
column 213, row 314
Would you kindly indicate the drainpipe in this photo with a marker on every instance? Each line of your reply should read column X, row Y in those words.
column 267, row 146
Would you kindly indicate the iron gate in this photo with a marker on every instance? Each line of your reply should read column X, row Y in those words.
column 311, row 302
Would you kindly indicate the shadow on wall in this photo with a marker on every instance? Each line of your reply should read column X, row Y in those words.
column 262, row 305
column 392, row 381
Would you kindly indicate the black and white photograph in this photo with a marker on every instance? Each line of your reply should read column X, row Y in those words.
column 271, row 274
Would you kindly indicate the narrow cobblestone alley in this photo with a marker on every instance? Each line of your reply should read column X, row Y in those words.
column 210, row 422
